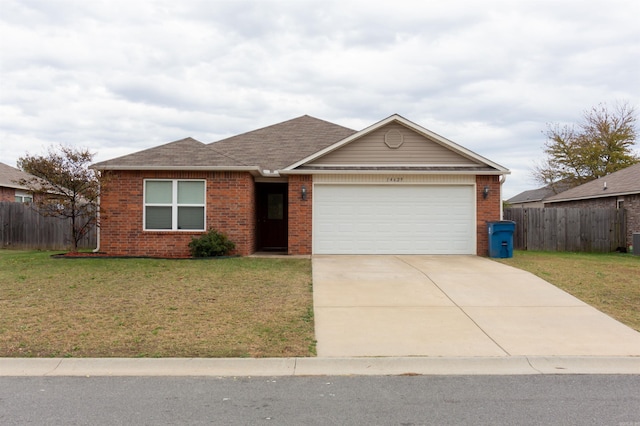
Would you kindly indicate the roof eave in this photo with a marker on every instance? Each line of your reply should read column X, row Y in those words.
column 251, row 169
column 391, row 171
column 525, row 202
column 13, row 185
column 591, row 197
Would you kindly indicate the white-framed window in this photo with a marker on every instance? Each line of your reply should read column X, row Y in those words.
column 23, row 197
column 174, row 205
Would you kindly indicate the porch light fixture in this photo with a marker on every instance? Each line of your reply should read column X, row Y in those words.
column 303, row 193
column 485, row 192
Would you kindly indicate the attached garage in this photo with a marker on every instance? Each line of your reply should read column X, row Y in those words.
column 394, row 218
column 395, row 188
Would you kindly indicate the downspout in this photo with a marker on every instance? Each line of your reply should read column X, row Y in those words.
column 97, row 249
column 503, row 178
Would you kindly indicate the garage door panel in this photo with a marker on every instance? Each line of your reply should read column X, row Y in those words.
column 394, row 219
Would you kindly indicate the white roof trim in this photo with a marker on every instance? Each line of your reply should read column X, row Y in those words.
column 252, row 169
column 181, row 168
column 13, row 185
column 397, row 165
column 419, row 129
column 389, row 172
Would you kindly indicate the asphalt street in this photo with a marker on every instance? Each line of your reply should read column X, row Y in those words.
column 323, row 400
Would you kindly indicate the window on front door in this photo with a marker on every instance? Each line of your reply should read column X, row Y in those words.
column 174, row 205
column 275, row 206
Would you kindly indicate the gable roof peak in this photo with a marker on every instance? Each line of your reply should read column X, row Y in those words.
column 448, row 144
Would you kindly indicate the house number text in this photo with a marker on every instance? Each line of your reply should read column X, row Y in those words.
column 394, row 179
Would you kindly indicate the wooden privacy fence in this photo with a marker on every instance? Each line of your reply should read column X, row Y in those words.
column 568, row 229
column 22, row 227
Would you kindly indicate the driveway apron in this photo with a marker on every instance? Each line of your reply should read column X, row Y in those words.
column 409, row 305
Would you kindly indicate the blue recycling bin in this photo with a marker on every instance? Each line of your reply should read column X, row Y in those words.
column 501, row 238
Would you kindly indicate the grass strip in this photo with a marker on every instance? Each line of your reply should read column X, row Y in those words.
column 609, row 282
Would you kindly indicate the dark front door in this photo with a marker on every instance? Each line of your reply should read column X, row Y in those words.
column 272, row 216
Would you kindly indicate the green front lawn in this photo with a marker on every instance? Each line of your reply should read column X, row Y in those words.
column 237, row 307
column 608, row 282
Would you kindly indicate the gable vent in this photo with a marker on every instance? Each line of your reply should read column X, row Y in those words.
column 393, row 139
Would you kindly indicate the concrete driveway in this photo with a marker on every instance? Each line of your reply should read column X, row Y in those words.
column 463, row 306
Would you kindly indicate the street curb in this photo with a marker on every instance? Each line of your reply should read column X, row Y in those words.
column 364, row 366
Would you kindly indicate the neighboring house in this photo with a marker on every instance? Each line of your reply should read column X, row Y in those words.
column 304, row 186
column 9, row 189
column 531, row 198
column 619, row 190
column 534, row 198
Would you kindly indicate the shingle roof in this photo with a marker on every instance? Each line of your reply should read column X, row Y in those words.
column 8, row 176
column 183, row 153
column 270, row 148
column 539, row 194
column 625, row 181
column 283, row 144
column 531, row 195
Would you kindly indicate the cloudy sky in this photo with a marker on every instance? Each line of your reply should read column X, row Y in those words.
column 118, row 76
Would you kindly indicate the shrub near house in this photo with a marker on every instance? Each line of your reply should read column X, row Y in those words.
column 211, row 244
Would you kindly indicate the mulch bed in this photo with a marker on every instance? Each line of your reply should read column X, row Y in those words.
column 102, row 255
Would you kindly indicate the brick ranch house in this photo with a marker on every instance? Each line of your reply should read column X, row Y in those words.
column 304, row 186
column 10, row 190
column 618, row 190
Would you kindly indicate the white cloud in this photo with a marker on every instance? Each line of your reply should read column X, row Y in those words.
column 118, row 76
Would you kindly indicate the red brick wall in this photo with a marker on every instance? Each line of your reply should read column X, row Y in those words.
column 7, row 194
column 631, row 206
column 300, row 218
column 230, row 209
column 487, row 210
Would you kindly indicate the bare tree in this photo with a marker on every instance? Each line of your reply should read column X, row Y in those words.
column 64, row 187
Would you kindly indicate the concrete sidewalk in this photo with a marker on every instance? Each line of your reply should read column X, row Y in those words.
column 243, row 367
column 453, row 306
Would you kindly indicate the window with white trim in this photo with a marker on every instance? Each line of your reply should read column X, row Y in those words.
column 174, row 205
column 23, row 197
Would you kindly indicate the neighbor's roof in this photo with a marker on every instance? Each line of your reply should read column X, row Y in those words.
column 539, row 194
column 9, row 175
column 270, row 148
column 622, row 182
column 532, row 195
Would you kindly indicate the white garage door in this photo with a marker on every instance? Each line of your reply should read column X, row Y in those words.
column 393, row 219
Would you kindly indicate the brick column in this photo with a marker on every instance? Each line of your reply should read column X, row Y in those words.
column 487, row 210
column 300, row 214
